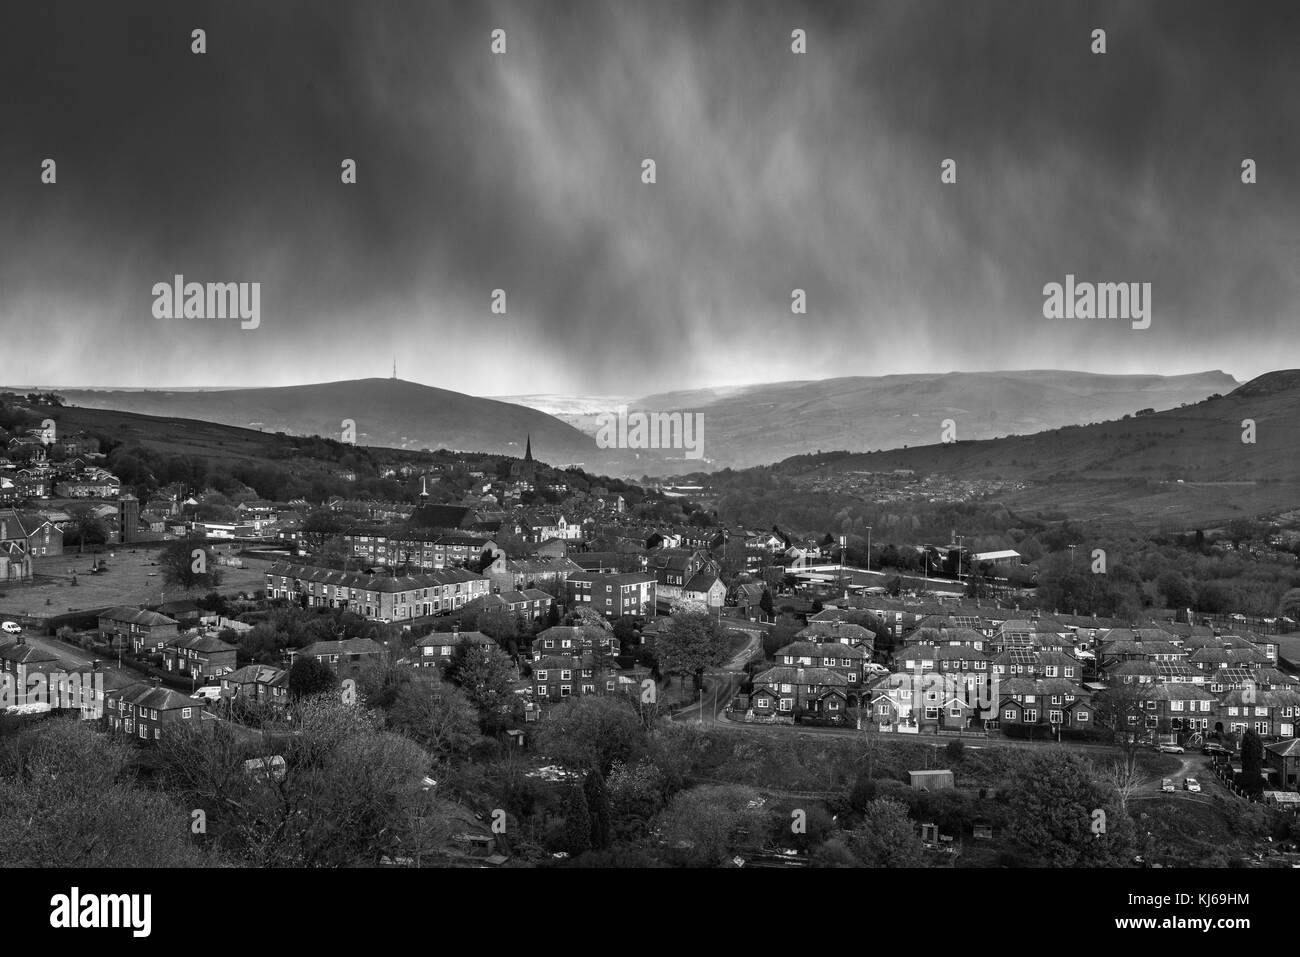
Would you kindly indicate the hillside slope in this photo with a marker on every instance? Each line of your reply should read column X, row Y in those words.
column 1187, row 466
column 754, row 425
column 387, row 412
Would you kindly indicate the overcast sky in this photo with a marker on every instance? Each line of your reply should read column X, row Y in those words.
column 522, row 171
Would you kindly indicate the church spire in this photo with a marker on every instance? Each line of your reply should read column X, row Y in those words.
column 528, row 449
column 424, row 489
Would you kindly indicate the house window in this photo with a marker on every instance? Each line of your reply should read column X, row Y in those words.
column 1009, row 714
column 1054, row 717
column 185, row 712
column 1031, row 714
column 565, row 691
column 785, row 704
column 541, row 675
column 761, row 703
column 1081, row 716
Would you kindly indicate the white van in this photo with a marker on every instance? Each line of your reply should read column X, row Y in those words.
column 12, row 628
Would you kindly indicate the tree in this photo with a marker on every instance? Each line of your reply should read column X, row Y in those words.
column 590, row 731
column 587, row 617
column 1252, row 762
column 598, row 804
column 487, row 676
column 500, row 625
column 319, row 527
column 834, row 853
column 784, row 632
column 886, row 838
column 636, row 793
column 577, row 822
column 310, row 677
column 1289, row 606
column 437, row 716
column 347, row 794
column 88, row 528
column 1124, row 777
column 1062, row 817
column 765, row 605
column 702, row 827
column 187, row 562
column 626, row 632
column 688, row 643
column 68, row 799
column 1123, row 709
column 1176, row 591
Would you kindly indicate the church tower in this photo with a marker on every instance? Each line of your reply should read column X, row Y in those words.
column 528, row 470
column 524, row 471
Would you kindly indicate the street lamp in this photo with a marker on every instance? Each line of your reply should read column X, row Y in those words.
column 844, row 542
column 960, row 539
column 1071, row 548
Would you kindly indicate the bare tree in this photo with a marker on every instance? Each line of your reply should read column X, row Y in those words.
column 1125, row 778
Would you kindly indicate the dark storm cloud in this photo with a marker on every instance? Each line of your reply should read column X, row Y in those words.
column 522, row 172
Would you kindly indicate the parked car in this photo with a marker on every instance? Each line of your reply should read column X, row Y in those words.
column 1167, row 784
column 1213, row 748
column 12, row 628
column 1191, row 784
column 1169, row 749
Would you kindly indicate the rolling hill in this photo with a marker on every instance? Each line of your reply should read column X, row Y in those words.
column 387, row 412
column 1182, row 465
column 755, row 425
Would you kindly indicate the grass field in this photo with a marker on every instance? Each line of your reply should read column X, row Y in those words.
column 130, row 580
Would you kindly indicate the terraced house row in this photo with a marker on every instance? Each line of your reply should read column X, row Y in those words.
column 377, row 596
